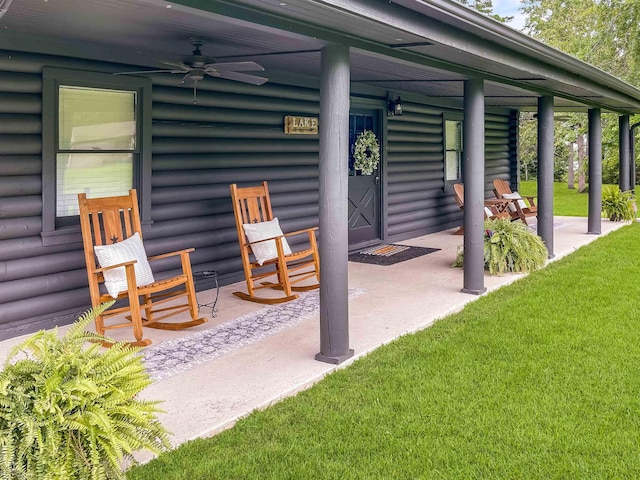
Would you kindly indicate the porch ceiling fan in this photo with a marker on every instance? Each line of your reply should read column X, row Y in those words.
column 196, row 66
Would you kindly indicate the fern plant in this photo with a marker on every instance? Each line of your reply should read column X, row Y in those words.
column 509, row 247
column 512, row 247
column 618, row 205
column 69, row 408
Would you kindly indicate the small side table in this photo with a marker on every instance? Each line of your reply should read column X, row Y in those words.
column 208, row 275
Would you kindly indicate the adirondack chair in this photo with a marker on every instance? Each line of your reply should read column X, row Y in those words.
column 116, row 259
column 519, row 208
column 492, row 209
column 260, row 236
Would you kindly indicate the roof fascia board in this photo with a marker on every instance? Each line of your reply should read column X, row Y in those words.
column 538, row 57
column 479, row 22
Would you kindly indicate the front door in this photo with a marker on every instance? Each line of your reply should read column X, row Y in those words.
column 364, row 188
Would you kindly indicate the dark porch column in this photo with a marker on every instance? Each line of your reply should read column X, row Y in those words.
column 545, row 171
column 595, row 172
column 334, row 175
column 632, row 154
column 473, row 176
column 625, row 165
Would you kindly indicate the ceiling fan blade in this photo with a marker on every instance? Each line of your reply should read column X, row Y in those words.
column 242, row 77
column 236, row 66
column 183, row 66
column 147, row 71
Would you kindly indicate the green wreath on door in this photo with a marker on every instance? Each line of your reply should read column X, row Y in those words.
column 366, row 152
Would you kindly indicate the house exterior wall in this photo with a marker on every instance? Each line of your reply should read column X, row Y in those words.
column 233, row 134
column 419, row 199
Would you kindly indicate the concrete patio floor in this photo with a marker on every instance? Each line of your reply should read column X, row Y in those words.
column 399, row 299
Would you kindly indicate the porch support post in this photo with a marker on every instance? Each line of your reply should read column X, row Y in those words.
column 632, row 157
column 632, row 154
column 333, row 246
column 545, row 171
column 625, row 165
column 473, row 175
column 595, row 172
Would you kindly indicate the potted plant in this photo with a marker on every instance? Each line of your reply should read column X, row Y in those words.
column 71, row 411
column 509, row 247
column 618, row 205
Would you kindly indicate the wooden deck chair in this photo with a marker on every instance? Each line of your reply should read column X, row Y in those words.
column 520, row 209
column 116, row 259
column 491, row 211
column 259, row 234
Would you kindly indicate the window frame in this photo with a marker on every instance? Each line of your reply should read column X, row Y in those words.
column 448, row 117
column 57, row 233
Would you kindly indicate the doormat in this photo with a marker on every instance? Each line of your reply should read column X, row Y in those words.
column 174, row 356
column 389, row 254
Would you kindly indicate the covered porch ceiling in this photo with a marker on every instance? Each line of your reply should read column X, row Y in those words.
column 424, row 47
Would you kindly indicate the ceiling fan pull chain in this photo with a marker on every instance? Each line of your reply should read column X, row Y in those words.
column 194, row 94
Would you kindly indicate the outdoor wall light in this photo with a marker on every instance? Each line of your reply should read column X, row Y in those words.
column 395, row 107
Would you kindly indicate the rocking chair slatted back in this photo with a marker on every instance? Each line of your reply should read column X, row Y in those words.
column 254, row 205
column 112, row 221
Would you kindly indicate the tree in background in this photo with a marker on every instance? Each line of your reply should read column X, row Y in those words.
column 486, row 7
column 604, row 33
column 528, row 149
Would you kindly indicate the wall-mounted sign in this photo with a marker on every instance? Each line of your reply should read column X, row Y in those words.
column 300, row 125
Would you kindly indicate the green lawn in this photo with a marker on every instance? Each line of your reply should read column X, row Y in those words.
column 537, row 380
column 565, row 202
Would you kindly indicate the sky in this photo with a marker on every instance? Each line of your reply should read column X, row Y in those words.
column 510, row 8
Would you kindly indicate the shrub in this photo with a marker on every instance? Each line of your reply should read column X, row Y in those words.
column 70, row 411
column 512, row 247
column 509, row 247
column 618, row 205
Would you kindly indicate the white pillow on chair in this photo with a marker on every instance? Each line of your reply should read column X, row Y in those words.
column 130, row 249
column 515, row 196
column 267, row 250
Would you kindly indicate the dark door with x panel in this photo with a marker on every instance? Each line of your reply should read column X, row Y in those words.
column 364, row 190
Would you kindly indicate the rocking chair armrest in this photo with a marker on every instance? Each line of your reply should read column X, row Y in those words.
column 111, row 267
column 171, row 254
column 298, row 232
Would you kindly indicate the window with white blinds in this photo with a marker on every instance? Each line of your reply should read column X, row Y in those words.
column 96, row 144
column 96, row 139
column 453, row 150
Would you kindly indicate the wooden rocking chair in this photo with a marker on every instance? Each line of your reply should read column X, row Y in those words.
column 111, row 233
column 519, row 209
column 259, row 234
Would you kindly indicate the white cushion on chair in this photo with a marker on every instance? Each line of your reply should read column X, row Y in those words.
column 515, row 196
column 130, row 249
column 264, row 251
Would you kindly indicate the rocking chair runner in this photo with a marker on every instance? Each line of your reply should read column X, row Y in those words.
column 111, row 231
column 259, row 234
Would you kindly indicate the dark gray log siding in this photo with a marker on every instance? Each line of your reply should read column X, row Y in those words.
column 198, row 150
column 419, row 202
column 234, row 133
